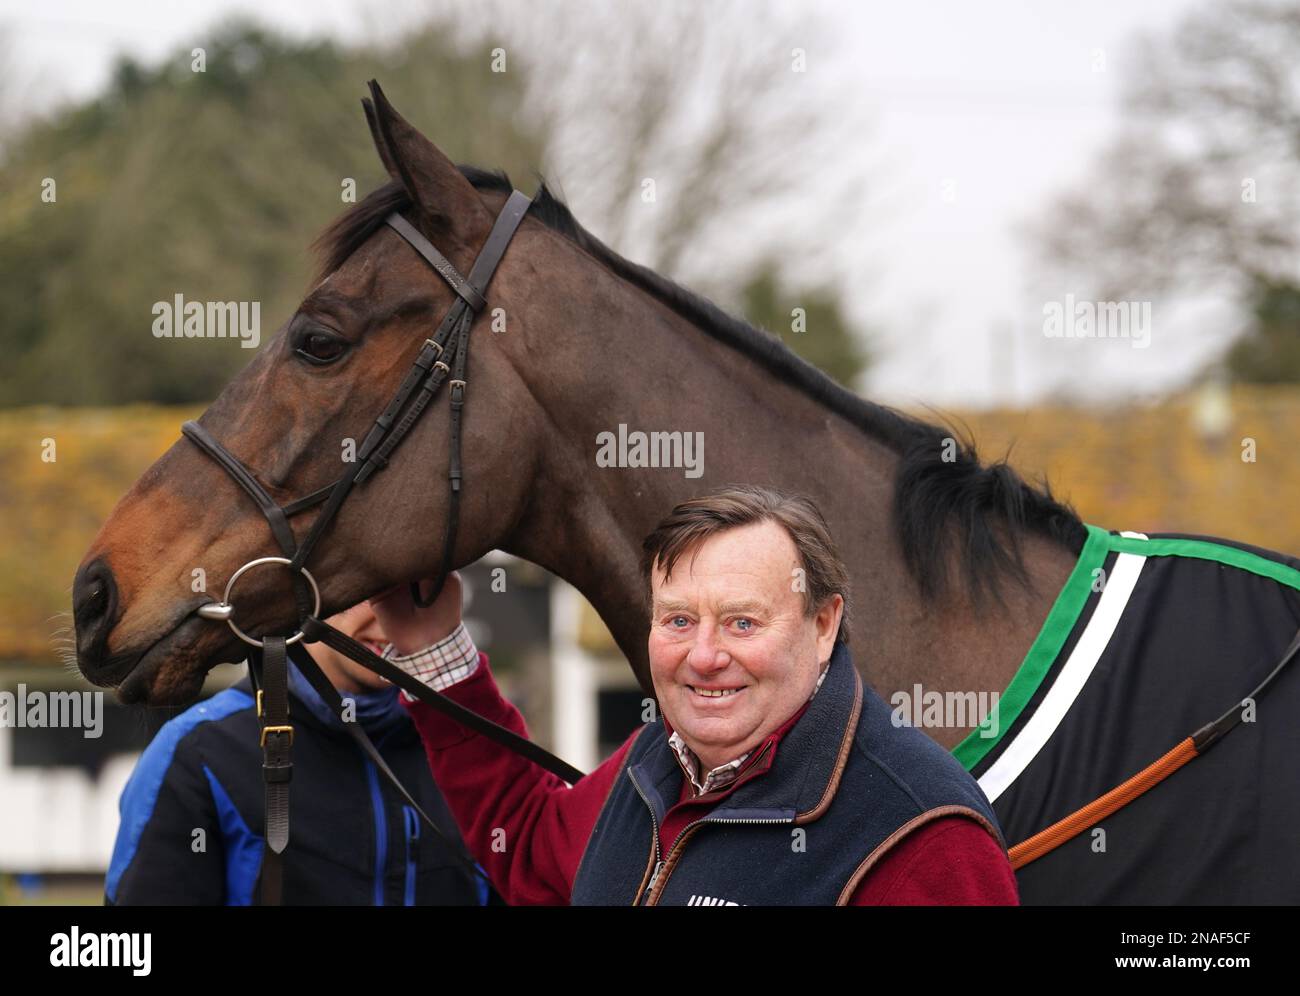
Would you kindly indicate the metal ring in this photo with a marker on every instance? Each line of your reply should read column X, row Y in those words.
column 225, row 599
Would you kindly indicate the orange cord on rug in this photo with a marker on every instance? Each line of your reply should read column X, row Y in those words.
column 1117, row 798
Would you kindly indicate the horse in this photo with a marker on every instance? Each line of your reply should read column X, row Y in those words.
column 966, row 579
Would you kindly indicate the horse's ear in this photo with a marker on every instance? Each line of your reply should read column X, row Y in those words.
column 443, row 195
column 378, row 137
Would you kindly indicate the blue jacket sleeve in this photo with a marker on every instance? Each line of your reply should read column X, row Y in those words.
column 169, row 848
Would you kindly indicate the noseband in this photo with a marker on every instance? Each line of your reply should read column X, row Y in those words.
column 442, row 359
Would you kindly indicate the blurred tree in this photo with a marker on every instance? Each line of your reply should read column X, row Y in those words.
column 707, row 141
column 211, row 185
column 1200, row 191
column 810, row 322
column 1269, row 351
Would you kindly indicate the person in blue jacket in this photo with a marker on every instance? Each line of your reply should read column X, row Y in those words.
column 192, row 812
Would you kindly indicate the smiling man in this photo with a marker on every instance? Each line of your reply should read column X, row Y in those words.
column 773, row 775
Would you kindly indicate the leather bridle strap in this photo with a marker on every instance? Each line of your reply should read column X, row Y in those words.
column 315, row 630
column 457, row 402
column 472, row 295
column 480, row 275
column 325, row 689
column 277, row 518
column 384, row 436
column 277, row 767
column 275, row 515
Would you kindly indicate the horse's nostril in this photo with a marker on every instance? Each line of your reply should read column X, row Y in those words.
column 94, row 603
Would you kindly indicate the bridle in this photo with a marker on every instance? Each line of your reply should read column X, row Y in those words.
column 442, row 359
column 450, row 344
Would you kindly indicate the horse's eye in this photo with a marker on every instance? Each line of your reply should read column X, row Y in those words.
column 318, row 347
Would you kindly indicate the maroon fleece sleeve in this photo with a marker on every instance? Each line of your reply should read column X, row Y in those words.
column 524, row 825
column 952, row 861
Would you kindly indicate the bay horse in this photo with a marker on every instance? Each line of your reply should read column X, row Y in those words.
column 966, row 579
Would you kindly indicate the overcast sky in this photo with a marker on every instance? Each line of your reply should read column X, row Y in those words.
column 984, row 109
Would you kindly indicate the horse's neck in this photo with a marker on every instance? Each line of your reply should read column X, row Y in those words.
column 585, row 522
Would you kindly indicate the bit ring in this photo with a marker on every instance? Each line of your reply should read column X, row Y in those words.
column 224, row 610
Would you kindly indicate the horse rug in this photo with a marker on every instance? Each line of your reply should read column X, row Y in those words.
column 1151, row 638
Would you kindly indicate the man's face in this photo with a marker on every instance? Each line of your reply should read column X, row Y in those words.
column 345, row 674
column 732, row 654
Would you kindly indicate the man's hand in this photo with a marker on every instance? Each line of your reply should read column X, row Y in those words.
column 411, row 628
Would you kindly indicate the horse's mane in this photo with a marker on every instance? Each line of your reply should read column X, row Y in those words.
column 946, row 501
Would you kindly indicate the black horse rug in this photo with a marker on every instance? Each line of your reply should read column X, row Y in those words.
column 1150, row 639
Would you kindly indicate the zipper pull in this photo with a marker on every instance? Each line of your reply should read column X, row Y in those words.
column 654, row 877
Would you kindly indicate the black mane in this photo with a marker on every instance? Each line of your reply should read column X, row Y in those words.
column 941, row 482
